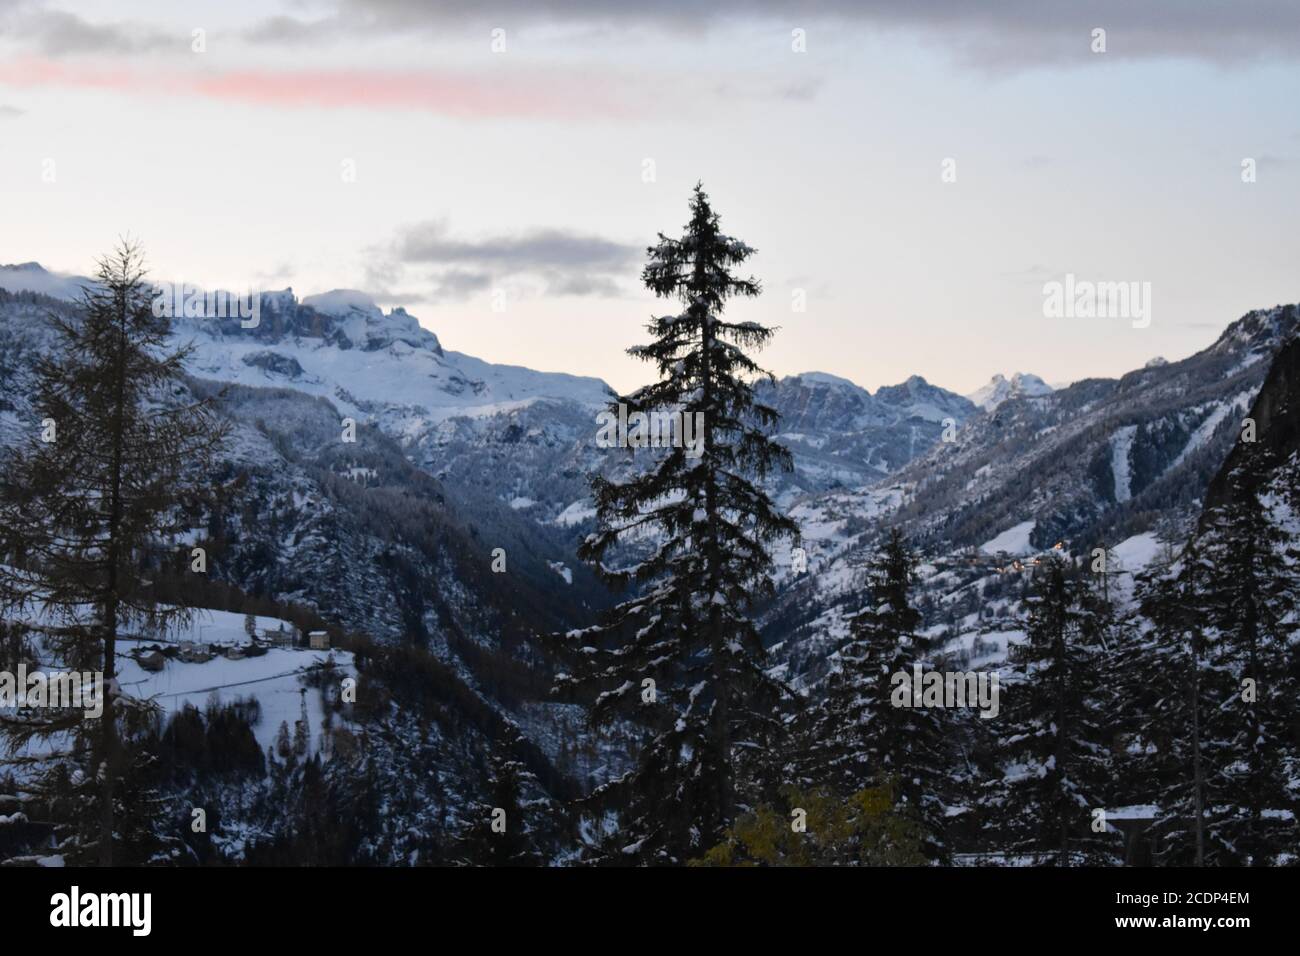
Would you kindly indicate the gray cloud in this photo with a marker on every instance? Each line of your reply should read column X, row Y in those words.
column 1008, row 35
column 10, row 112
column 287, row 30
column 59, row 33
column 583, row 285
column 563, row 262
column 540, row 249
column 460, row 284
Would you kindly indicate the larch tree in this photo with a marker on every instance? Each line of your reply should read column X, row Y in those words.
column 682, row 658
column 100, row 497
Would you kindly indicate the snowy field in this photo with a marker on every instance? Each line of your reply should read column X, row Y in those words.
column 1012, row 541
column 222, row 627
column 274, row 679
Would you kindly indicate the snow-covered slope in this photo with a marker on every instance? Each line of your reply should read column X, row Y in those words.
column 1121, row 463
column 373, row 365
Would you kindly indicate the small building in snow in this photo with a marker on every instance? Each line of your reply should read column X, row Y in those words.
column 193, row 652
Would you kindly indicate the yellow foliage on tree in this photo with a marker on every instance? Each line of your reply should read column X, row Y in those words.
column 821, row 828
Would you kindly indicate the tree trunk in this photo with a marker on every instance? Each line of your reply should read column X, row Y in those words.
column 717, row 640
column 1062, row 741
column 111, row 609
column 1198, row 778
column 717, row 644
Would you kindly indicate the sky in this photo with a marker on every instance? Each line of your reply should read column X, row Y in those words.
column 910, row 174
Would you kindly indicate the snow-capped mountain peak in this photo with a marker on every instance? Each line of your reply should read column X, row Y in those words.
column 1000, row 388
column 825, row 378
column 342, row 302
column 365, row 326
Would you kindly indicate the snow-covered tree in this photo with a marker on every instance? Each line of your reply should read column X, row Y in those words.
column 505, row 830
column 683, row 657
column 856, row 734
column 1054, row 734
column 1220, row 740
column 1163, row 688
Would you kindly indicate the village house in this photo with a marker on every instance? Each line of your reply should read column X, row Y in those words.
column 281, row 636
column 192, row 652
column 151, row 660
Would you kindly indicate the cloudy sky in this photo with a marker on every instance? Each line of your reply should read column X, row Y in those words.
column 449, row 156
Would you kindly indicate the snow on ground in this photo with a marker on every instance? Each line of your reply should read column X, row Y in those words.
column 275, row 679
column 203, row 627
column 822, row 522
column 1121, row 443
column 223, row 627
column 1137, row 552
column 576, row 513
column 1238, row 403
column 985, row 649
column 815, row 524
column 1012, row 541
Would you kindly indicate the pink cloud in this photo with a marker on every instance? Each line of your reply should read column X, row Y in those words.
column 485, row 94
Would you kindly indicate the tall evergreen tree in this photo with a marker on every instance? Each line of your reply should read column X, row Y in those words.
column 711, row 710
column 1164, row 691
column 115, row 470
column 856, row 735
column 1054, row 733
column 504, row 831
column 1222, row 739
